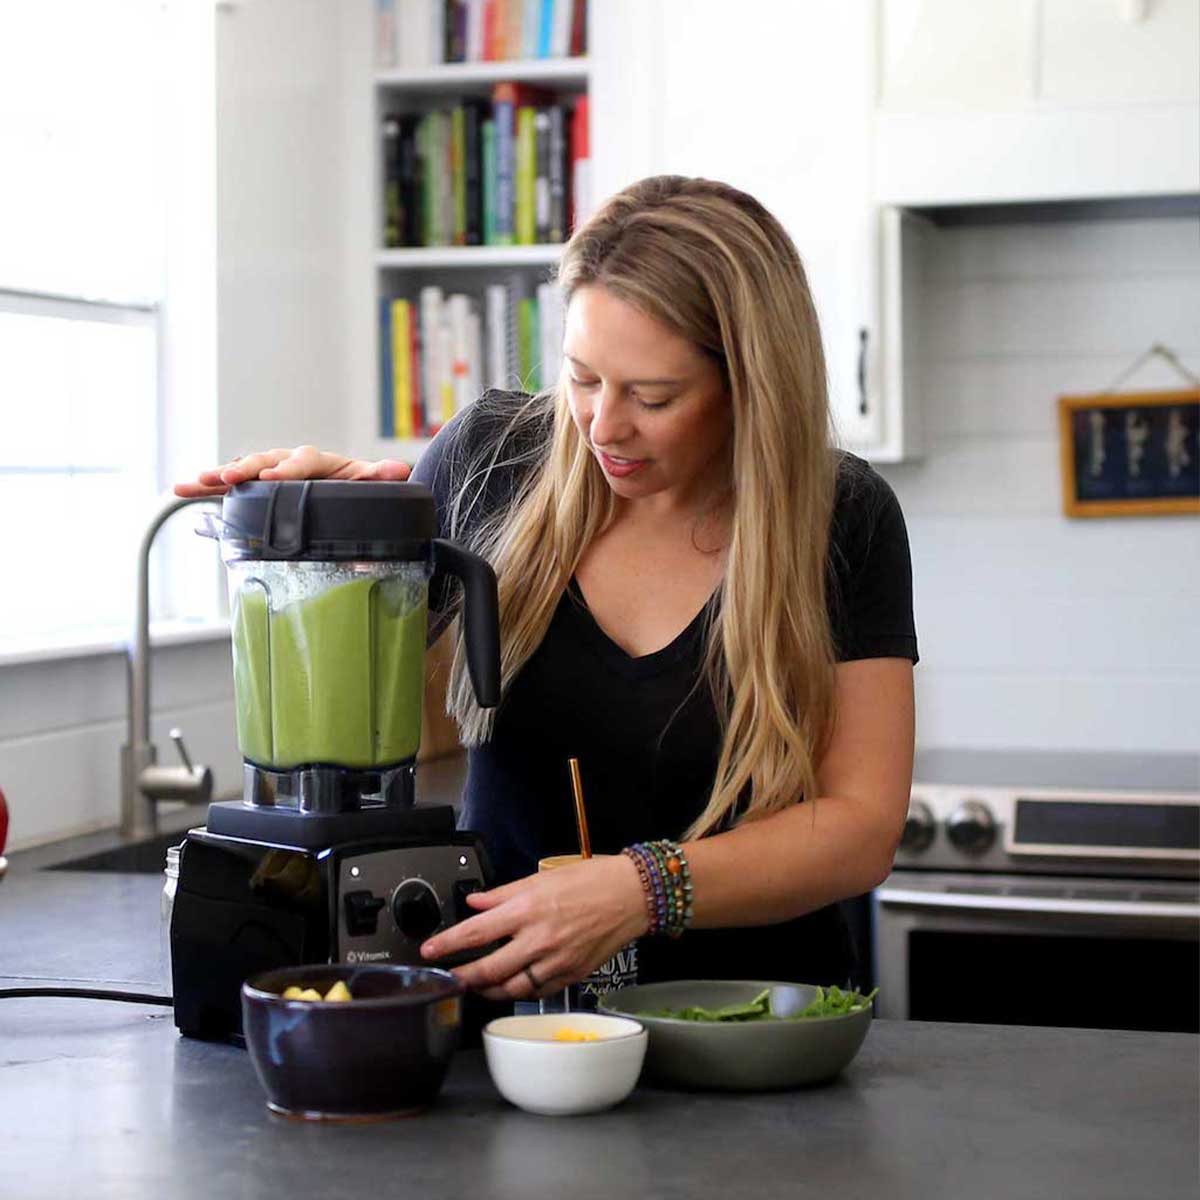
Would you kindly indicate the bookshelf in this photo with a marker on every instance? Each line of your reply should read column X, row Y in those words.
column 404, row 271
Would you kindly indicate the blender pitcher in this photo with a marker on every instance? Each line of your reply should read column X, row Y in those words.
column 329, row 589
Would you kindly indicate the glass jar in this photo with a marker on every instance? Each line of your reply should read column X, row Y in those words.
column 619, row 971
column 165, row 908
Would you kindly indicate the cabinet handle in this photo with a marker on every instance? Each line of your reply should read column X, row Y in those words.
column 862, row 372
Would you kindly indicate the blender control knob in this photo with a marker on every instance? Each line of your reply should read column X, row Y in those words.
column 416, row 909
column 971, row 827
column 919, row 826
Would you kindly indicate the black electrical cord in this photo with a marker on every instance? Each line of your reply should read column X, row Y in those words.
column 86, row 994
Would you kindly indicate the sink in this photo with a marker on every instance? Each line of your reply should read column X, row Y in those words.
column 137, row 858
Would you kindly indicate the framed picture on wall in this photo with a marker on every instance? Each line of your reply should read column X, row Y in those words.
column 1132, row 454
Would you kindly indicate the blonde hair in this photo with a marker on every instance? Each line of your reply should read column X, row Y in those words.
column 710, row 263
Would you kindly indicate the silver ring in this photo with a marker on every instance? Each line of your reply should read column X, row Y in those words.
column 533, row 979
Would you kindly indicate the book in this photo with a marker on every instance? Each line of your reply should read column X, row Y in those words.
column 496, row 365
column 556, row 230
column 385, row 33
column 474, row 115
column 488, row 186
column 527, row 340
column 458, row 168
column 531, row 27
column 545, row 27
column 401, row 182
column 387, row 426
column 560, row 33
column 475, row 14
column 581, row 164
column 578, row 42
column 541, row 177
column 525, row 212
column 430, row 302
column 550, row 325
column 402, row 414
column 458, row 313
column 418, row 33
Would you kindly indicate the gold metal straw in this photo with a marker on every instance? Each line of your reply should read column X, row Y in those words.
column 585, row 844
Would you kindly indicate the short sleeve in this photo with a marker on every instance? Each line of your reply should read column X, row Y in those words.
column 870, row 576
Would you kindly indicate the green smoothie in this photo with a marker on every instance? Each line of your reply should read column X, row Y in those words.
column 333, row 678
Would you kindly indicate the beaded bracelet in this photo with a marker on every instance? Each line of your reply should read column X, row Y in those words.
column 666, row 881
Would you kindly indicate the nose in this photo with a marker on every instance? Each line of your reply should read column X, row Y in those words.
column 609, row 425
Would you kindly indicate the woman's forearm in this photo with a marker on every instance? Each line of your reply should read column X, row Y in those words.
column 789, row 863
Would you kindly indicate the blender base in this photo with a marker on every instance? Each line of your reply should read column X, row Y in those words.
column 312, row 830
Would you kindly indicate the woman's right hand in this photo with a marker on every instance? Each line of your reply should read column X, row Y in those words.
column 303, row 462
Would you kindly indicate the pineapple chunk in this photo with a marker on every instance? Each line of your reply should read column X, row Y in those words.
column 293, row 993
column 339, row 991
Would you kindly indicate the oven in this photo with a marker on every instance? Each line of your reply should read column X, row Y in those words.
column 1045, row 889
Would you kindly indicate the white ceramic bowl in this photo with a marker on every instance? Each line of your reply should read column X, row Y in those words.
column 539, row 1074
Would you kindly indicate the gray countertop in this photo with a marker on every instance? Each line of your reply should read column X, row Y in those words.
column 105, row 1100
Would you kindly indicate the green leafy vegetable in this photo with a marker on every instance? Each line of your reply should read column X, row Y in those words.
column 829, row 1002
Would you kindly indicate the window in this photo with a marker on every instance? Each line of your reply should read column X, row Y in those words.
column 89, row 147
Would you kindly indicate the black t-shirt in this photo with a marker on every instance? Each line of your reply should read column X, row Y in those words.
column 647, row 739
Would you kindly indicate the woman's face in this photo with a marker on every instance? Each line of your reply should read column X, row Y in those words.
column 652, row 407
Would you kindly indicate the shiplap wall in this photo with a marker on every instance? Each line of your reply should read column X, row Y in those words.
column 1036, row 630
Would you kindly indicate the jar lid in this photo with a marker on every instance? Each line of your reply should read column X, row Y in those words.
column 327, row 520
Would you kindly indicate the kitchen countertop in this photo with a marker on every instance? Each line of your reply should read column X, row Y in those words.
column 105, row 1100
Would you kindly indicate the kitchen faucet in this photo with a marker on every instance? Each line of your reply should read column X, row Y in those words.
column 143, row 781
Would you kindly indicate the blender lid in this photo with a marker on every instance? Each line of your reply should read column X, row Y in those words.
column 327, row 519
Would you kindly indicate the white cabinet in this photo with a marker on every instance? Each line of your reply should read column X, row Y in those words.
column 777, row 100
column 1002, row 100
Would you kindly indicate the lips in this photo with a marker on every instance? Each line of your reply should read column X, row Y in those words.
column 618, row 468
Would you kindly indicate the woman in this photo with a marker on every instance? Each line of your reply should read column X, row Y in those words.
column 701, row 600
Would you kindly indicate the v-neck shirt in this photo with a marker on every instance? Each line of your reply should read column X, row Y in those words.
column 645, row 727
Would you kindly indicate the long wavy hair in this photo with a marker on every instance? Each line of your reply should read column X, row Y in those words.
column 713, row 265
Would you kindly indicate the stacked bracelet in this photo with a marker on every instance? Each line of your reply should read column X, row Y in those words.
column 666, row 880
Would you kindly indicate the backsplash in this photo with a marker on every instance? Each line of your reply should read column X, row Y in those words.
column 1036, row 630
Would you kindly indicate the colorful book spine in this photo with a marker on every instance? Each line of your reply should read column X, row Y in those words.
column 417, row 382
column 387, row 425
column 578, row 44
column 488, row 156
column 560, row 34
column 545, row 27
column 393, row 202
column 504, row 115
column 473, row 118
column 526, row 310
column 558, row 166
column 402, row 366
column 458, row 169
column 496, row 366
column 385, row 33
column 430, row 315
column 541, row 182
column 581, row 164
column 525, row 217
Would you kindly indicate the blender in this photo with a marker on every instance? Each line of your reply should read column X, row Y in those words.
column 326, row 857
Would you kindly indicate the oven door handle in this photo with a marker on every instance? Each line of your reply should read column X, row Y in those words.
column 900, row 897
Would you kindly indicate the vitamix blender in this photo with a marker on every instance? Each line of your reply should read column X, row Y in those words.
column 325, row 858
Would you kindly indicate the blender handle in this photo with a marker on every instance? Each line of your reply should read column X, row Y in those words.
column 481, row 616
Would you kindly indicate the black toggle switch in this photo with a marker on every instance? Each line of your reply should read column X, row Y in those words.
column 462, row 889
column 362, row 913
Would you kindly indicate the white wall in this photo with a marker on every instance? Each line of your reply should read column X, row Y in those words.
column 1037, row 630
column 280, row 380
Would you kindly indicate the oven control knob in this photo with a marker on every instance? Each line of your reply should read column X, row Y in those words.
column 919, row 827
column 416, row 909
column 971, row 827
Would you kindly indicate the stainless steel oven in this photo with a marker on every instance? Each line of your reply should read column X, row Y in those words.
column 1045, row 889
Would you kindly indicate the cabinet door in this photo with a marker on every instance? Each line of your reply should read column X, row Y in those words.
column 939, row 55
column 777, row 100
column 1120, row 51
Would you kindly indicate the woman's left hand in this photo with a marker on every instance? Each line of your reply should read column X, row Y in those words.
column 561, row 925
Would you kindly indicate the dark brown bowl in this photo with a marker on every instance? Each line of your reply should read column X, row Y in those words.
column 383, row 1054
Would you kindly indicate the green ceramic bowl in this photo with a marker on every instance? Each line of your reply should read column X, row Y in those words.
column 738, row 1055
